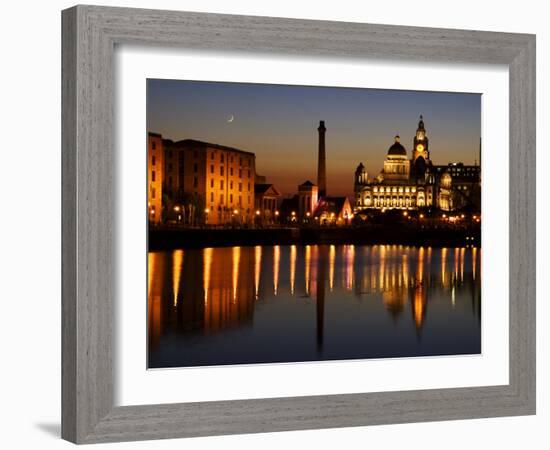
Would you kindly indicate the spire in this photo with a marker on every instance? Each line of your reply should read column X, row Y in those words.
column 421, row 123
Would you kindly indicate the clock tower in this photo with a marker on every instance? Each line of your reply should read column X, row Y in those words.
column 420, row 143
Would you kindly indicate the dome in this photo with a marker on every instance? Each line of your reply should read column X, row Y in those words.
column 397, row 149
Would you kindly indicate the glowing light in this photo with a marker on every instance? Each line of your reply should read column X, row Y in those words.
column 443, row 265
column 257, row 269
column 235, row 211
column 207, row 269
column 307, row 272
column 456, row 254
column 332, row 257
column 421, row 216
column 405, row 213
column 292, row 268
column 276, row 265
column 176, row 208
column 420, row 266
column 350, row 257
column 276, row 213
column 206, row 210
column 258, row 212
column 236, row 261
column 177, row 264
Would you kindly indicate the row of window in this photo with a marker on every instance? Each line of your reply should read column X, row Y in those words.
column 222, row 171
column 239, row 199
column 222, row 159
column 394, row 189
column 222, row 184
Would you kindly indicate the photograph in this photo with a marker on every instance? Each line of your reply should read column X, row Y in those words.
column 305, row 223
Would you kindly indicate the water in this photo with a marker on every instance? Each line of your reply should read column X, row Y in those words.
column 305, row 303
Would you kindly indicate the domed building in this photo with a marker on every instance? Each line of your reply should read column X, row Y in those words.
column 414, row 183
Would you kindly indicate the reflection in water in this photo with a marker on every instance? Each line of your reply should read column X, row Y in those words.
column 177, row 264
column 257, row 269
column 207, row 268
column 233, row 305
column 292, row 268
column 236, row 261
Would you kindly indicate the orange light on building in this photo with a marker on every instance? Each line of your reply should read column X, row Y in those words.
column 421, row 216
column 258, row 212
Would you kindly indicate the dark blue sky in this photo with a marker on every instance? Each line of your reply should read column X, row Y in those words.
column 279, row 124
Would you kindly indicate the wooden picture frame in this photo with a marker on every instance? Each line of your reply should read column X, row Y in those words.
column 90, row 34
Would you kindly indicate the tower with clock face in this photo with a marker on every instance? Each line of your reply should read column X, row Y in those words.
column 420, row 143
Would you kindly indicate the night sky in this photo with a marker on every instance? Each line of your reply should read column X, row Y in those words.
column 279, row 124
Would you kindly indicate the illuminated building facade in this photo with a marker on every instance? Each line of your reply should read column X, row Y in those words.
column 207, row 183
column 155, row 167
column 266, row 203
column 411, row 183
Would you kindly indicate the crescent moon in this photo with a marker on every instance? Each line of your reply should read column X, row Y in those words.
column 231, row 118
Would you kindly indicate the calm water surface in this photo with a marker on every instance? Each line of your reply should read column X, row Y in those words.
column 317, row 302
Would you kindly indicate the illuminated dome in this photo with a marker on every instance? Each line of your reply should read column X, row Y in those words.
column 397, row 149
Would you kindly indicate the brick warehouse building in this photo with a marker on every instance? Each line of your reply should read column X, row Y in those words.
column 203, row 183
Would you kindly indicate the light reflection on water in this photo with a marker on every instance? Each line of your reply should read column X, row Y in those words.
column 314, row 302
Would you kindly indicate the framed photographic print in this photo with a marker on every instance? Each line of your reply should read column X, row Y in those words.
column 277, row 224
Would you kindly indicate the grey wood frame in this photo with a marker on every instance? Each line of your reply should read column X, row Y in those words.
column 90, row 34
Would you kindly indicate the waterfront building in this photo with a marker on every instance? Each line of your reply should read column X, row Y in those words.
column 266, row 203
column 208, row 183
column 416, row 183
column 308, row 196
column 333, row 211
column 155, row 167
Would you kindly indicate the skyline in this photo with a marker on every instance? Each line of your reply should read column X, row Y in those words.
column 279, row 124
